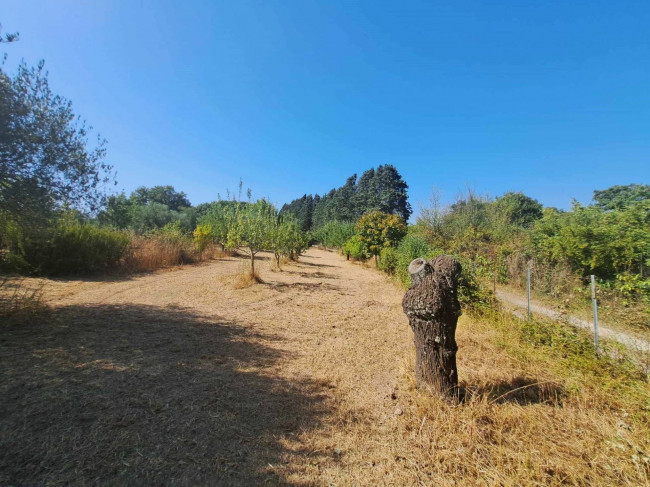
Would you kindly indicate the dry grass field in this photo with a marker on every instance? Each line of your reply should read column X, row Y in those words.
column 182, row 377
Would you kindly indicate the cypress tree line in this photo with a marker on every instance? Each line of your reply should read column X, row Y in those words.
column 381, row 189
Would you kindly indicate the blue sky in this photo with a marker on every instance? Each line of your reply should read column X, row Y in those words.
column 549, row 98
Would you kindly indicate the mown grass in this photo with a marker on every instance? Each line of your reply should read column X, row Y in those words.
column 18, row 302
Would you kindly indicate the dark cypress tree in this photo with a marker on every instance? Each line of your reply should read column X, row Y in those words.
column 381, row 189
column 344, row 208
column 391, row 189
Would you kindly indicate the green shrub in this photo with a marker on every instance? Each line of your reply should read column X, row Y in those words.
column 334, row 234
column 411, row 247
column 355, row 248
column 471, row 293
column 388, row 260
column 73, row 247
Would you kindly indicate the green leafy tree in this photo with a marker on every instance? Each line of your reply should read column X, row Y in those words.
column 221, row 216
column 287, row 239
column 379, row 230
column 381, row 189
column 118, row 212
column 519, row 209
column 252, row 228
column 164, row 195
column 619, row 197
column 46, row 160
column 593, row 241
column 356, row 248
column 145, row 218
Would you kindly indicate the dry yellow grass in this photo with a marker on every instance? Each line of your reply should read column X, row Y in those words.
column 304, row 379
column 245, row 277
column 148, row 254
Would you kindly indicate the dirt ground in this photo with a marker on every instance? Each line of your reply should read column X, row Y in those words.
column 178, row 378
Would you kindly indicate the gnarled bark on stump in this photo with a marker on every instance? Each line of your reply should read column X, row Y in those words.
column 432, row 307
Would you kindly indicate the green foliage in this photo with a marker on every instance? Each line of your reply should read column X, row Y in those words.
column 388, row 260
column 148, row 209
column 172, row 233
column 412, row 246
column 118, row 212
column 519, row 209
column 72, row 247
column 220, row 216
column 356, row 248
column 46, row 160
column 632, row 286
column 379, row 230
column 164, row 195
column 145, row 218
column 381, row 189
column 471, row 294
column 302, row 209
column 619, row 197
column 252, row 227
column 334, row 234
column 593, row 241
column 287, row 239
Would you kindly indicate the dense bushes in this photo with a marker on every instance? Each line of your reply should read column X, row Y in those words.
column 72, row 247
column 253, row 227
column 594, row 241
column 501, row 238
column 355, row 247
column 334, row 234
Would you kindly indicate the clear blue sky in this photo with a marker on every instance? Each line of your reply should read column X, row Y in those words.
column 550, row 98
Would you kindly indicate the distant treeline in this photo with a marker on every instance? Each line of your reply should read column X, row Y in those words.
column 381, row 189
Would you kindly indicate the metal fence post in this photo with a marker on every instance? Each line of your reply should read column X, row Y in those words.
column 594, row 305
column 528, row 288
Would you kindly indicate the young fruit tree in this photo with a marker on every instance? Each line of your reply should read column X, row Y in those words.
column 251, row 228
column 432, row 307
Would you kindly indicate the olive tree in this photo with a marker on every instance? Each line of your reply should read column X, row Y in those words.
column 46, row 160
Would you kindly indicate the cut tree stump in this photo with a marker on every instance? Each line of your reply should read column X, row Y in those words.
column 432, row 307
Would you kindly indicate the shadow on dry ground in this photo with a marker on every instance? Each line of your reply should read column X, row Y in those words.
column 145, row 395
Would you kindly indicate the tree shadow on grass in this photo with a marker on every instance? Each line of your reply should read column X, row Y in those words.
column 521, row 390
column 147, row 396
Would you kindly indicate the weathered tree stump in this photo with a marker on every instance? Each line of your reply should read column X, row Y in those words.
column 432, row 307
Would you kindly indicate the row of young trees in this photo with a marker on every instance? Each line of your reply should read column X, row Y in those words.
column 252, row 228
column 381, row 189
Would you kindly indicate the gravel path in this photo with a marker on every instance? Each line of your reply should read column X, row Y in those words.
column 604, row 331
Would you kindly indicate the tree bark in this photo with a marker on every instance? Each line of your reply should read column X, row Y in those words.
column 431, row 304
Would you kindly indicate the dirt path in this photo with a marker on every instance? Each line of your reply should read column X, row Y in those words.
column 604, row 331
column 184, row 377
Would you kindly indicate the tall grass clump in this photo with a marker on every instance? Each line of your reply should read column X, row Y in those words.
column 167, row 247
